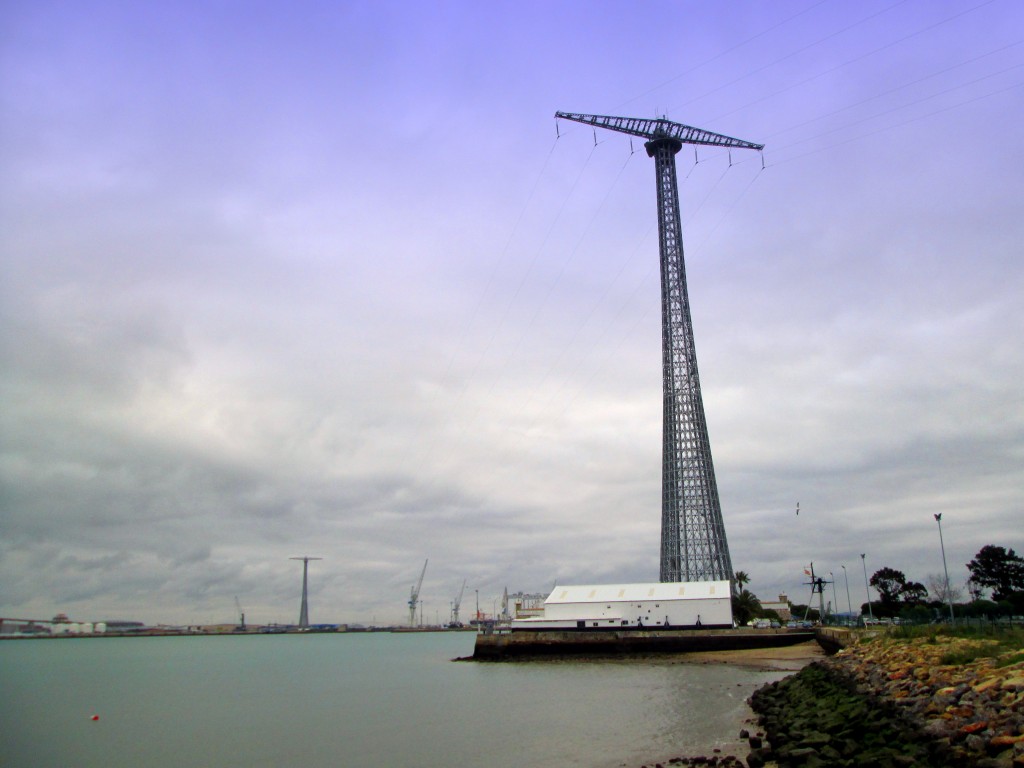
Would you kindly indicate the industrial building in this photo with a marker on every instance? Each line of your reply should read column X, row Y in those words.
column 672, row 605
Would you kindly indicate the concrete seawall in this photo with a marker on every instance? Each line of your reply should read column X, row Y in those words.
column 527, row 644
column 833, row 639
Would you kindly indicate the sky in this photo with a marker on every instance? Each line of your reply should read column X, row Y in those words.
column 329, row 279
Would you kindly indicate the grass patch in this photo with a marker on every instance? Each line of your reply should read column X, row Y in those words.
column 967, row 655
column 1011, row 637
column 991, row 641
column 1015, row 658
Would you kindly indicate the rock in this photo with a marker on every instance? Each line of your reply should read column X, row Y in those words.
column 992, row 762
column 803, row 753
column 1015, row 683
column 816, row 739
column 937, row 728
column 986, row 685
column 975, row 743
column 1005, row 741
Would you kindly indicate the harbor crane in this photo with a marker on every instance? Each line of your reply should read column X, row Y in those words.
column 414, row 595
column 693, row 544
column 456, row 604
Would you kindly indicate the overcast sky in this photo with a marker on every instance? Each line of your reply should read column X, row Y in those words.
column 322, row 278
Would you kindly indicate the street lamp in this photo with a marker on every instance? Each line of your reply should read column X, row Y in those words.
column 863, row 562
column 835, row 600
column 849, row 604
column 949, row 597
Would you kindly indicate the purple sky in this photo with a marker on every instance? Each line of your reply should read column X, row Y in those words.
column 318, row 278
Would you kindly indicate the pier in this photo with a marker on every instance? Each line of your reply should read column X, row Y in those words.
column 504, row 646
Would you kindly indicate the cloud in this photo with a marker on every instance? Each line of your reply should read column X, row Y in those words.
column 328, row 284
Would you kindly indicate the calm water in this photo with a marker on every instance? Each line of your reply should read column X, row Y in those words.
column 350, row 700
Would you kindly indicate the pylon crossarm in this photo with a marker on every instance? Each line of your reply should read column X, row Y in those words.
column 659, row 129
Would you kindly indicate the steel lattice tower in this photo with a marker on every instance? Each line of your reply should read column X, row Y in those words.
column 693, row 544
column 304, row 608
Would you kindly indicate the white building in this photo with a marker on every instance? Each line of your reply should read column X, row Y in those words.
column 686, row 605
column 780, row 606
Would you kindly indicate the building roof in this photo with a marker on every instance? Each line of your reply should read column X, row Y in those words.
column 635, row 593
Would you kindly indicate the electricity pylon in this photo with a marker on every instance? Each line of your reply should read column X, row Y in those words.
column 693, row 545
column 304, row 608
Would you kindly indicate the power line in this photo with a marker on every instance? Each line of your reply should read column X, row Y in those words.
column 900, row 124
column 797, row 52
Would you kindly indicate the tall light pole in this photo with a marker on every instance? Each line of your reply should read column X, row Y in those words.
column 949, row 597
column 835, row 600
column 849, row 604
column 864, row 562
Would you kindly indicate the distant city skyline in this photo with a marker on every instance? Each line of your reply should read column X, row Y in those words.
column 328, row 278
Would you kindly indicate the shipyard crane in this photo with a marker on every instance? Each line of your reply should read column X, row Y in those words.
column 693, row 543
column 414, row 595
column 456, row 604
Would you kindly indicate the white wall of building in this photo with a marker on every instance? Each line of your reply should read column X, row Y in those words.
column 616, row 606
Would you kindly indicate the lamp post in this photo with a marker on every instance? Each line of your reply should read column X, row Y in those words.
column 835, row 600
column 949, row 597
column 864, row 562
column 849, row 604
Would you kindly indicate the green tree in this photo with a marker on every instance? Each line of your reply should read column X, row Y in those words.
column 742, row 579
column 745, row 606
column 998, row 569
column 798, row 611
column 913, row 593
column 890, row 584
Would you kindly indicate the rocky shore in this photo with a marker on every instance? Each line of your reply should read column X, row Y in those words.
column 934, row 701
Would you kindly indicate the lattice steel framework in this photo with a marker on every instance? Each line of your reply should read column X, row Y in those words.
column 693, row 543
column 304, row 607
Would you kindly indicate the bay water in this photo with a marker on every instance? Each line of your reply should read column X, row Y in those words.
column 357, row 699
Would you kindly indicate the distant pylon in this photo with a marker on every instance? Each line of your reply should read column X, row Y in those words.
column 693, row 544
column 304, row 609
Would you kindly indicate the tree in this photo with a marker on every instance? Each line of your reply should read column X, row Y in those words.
column 745, row 606
column 998, row 569
column 798, row 612
column 742, row 579
column 890, row 584
column 974, row 589
column 913, row 593
column 936, row 584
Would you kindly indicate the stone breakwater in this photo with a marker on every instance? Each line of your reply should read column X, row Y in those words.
column 899, row 703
